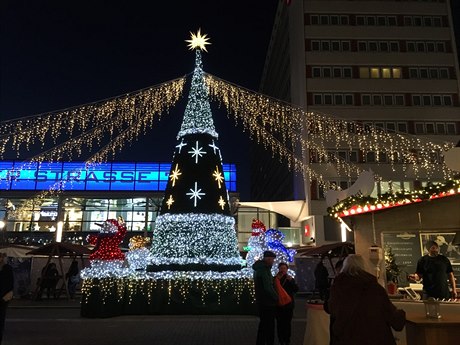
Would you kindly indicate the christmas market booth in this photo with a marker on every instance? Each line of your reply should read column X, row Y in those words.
column 401, row 224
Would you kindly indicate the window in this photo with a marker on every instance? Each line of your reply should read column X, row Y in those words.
column 424, row 73
column 437, row 21
column 444, row 73
column 402, row 127
column 411, row 47
column 420, row 47
column 388, row 99
column 360, row 20
column 316, row 72
column 314, row 19
column 392, row 21
column 346, row 46
column 416, row 100
column 382, row 21
column 377, row 99
column 324, row 20
column 337, row 72
column 347, row 72
column 370, row 20
column 394, row 46
column 370, row 157
column 419, row 128
column 373, row 46
column 349, row 99
column 364, row 72
column 317, row 99
column 353, row 156
column 383, row 46
column 429, row 127
column 440, row 128
column 396, row 73
column 426, row 100
column 343, row 184
column 328, row 99
column 366, row 99
column 427, row 21
column 413, row 73
column 325, row 45
column 338, row 99
column 386, row 74
column 417, row 21
column 382, row 157
column 447, row 100
column 399, row 99
column 451, row 130
column 327, row 72
column 433, row 73
column 440, row 47
column 334, row 20
column 430, row 47
column 344, row 20
column 391, row 127
column 315, row 45
column 407, row 21
column 375, row 72
column 335, row 46
column 362, row 46
column 437, row 100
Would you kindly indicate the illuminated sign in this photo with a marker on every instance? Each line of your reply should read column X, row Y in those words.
column 106, row 176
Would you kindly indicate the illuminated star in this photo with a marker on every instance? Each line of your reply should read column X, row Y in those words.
column 214, row 147
column 196, row 152
column 195, row 194
column 170, row 201
column 175, row 174
column 182, row 144
column 221, row 202
column 198, row 41
column 218, row 176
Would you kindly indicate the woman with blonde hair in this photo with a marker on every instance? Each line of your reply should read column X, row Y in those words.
column 360, row 307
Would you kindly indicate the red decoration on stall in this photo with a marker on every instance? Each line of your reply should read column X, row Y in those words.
column 257, row 227
column 108, row 240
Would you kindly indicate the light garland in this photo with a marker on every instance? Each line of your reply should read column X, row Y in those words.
column 358, row 204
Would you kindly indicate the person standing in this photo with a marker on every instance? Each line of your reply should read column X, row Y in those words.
column 363, row 314
column 6, row 290
column 266, row 298
column 73, row 278
column 435, row 269
column 284, row 313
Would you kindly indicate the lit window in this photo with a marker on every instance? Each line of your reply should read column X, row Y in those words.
column 386, row 74
column 375, row 72
column 396, row 73
column 364, row 72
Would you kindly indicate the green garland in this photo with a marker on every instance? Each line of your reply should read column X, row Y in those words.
column 400, row 197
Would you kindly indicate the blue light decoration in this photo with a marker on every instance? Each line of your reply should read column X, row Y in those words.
column 112, row 176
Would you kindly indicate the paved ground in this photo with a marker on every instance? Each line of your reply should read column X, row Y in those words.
column 59, row 322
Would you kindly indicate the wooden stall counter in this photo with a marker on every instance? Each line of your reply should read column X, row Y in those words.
column 423, row 331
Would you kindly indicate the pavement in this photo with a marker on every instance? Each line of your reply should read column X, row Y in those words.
column 49, row 322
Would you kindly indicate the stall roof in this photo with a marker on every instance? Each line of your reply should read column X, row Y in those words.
column 61, row 249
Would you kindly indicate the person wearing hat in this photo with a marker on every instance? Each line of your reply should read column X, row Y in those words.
column 266, row 298
column 6, row 290
column 435, row 269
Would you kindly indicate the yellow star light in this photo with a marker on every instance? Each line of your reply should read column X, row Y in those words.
column 218, row 176
column 198, row 41
column 221, row 202
column 170, row 201
column 175, row 175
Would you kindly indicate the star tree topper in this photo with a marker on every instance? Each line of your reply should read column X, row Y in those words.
column 198, row 41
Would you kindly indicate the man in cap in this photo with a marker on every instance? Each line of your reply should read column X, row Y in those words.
column 435, row 269
column 266, row 298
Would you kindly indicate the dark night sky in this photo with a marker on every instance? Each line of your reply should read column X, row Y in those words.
column 58, row 54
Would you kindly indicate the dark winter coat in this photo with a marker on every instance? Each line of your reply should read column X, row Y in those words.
column 263, row 285
column 362, row 312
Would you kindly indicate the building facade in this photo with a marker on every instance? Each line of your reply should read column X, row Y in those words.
column 389, row 64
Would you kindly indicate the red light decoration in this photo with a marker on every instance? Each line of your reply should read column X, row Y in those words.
column 107, row 241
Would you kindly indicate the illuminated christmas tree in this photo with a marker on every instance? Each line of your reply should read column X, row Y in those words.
column 195, row 230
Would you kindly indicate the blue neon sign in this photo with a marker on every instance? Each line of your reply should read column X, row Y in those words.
column 113, row 176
